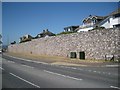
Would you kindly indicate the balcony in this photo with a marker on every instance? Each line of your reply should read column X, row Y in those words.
column 115, row 21
column 86, row 25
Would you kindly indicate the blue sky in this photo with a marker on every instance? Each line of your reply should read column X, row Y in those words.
column 23, row 18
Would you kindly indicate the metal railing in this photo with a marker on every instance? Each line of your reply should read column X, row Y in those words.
column 86, row 25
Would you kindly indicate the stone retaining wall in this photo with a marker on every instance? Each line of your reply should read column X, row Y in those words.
column 96, row 44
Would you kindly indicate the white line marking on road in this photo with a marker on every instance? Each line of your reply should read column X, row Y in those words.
column 18, row 58
column 80, row 69
column 61, row 66
column 27, row 66
column 28, row 60
column 112, row 65
column 67, row 67
column 74, row 68
column 62, row 75
column 115, row 74
column 89, row 70
column 11, row 62
column 39, row 62
column 103, row 72
column 114, row 87
column 94, row 71
column 25, row 80
column 1, row 68
column 99, row 72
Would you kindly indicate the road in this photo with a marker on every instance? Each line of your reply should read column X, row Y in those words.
column 23, row 73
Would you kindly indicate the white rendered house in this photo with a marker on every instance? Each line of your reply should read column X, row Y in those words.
column 110, row 21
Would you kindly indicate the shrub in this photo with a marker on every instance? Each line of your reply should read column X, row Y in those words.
column 26, row 40
column 69, row 32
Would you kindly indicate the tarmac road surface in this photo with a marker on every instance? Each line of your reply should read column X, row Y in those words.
column 23, row 73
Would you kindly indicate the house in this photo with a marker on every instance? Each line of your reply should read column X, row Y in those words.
column 70, row 29
column 25, row 38
column 14, row 42
column 109, row 21
column 45, row 33
column 90, row 22
column 112, row 20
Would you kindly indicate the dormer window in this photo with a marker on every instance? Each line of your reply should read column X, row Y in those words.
column 94, row 20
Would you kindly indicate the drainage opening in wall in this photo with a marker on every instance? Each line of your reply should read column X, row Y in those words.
column 82, row 55
column 31, row 52
column 73, row 55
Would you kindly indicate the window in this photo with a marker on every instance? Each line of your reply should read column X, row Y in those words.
column 94, row 20
column 69, row 29
column 108, row 20
column 117, row 15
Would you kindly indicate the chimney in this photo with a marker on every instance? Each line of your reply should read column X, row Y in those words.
column 46, row 30
column 43, row 31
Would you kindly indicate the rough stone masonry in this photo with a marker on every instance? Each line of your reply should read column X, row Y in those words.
column 96, row 44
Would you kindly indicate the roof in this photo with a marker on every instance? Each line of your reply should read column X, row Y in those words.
column 27, row 35
column 46, row 32
column 93, row 16
column 72, row 27
column 115, row 12
column 101, row 20
column 100, row 17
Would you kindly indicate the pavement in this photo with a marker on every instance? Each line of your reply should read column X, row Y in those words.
column 66, row 61
column 26, row 73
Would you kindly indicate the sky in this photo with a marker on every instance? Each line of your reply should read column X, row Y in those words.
column 21, row 18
